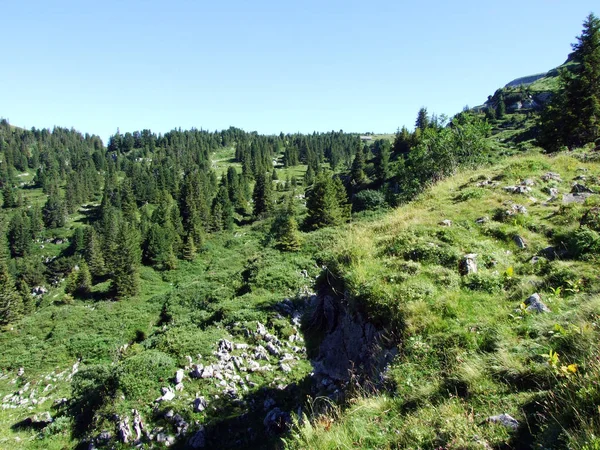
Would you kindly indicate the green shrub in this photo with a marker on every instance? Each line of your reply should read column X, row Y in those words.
column 368, row 200
column 469, row 194
column 486, row 282
column 91, row 388
column 142, row 374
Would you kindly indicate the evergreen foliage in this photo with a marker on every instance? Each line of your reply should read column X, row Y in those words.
column 326, row 202
column 572, row 118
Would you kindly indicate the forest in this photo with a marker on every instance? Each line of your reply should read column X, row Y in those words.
column 229, row 262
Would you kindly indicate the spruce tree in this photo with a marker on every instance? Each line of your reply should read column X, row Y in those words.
column 382, row 160
column 125, row 280
column 357, row 174
column 285, row 228
column 422, row 121
column 262, row 196
column 54, row 212
column 189, row 248
column 11, row 302
column 92, row 253
column 326, row 203
column 573, row 116
column 19, row 235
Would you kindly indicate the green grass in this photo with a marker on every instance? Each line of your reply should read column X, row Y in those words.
column 468, row 351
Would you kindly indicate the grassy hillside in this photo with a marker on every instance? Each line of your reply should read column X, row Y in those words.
column 471, row 348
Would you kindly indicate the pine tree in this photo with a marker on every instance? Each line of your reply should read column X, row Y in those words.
column 11, row 303
column 262, row 196
column 92, row 253
column 573, row 116
column 422, row 121
column 83, row 283
column 125, row 276
column 19, row 235
column 285, row 228
column 382, row 160
column 54, row 212
column 357, row 174
column 501, row 108
column 189, row 248
column 326, row 203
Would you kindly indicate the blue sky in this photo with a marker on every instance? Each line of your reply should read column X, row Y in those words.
column 268, row 66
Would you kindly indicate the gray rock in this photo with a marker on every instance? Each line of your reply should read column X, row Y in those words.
column 576, row 198
column 123, row 430
column 535, row 304
column 527, row 182
column 285, row 368
column 261, row 353
column 225, row 346
column 482, row 220
column 446, row 223
column 20, row 372
column 179, row 376
column 103, row 437
column 504, row 419
column 467, row 264
column 198, row 440
column 551, row 176
column 272, row 349
column 578, row 188
column 519, row 241
column 551, row 191
column 200, row 404
column 260, row 329
column 165, row 439
column 197, row 371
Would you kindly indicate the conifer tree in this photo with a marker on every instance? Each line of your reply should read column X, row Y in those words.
column 54, row 212
column 84, row 280
column 285, row 228
column 19, row 234
column 92, row 253
column 357, row 173
column 262, row 196
column 573, row 116
column 11, row 302
column 125, row 280
column 422, row 121
column 189, row 248
column 326, row 203
column 382, row 160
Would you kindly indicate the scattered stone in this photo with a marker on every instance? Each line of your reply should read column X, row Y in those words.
column 179, row 387
column 535, row 304
column 551, row 191
column 482, row 220
column 551, row 176
column 260, row 329
column 285, row 368
column 576, row 198
column 165, row 439
column 446, row 223
column 104, row 437
column 124, row 432
column 519, row 241
column 518, row 189
column 179, row 376
column 241, row 346
column 200, row 404
column 272, row 349
column 578, row 188
column 261, row 353
column 467, row 265
column 138, row 425
column 197, row 371
column 168, row 395
column 20, row 372
column 225, row 346
column 181, row 425
column 504, row 419
column 527, row 182
column 39, row 290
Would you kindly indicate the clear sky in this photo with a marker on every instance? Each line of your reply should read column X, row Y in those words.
column 267, row 65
